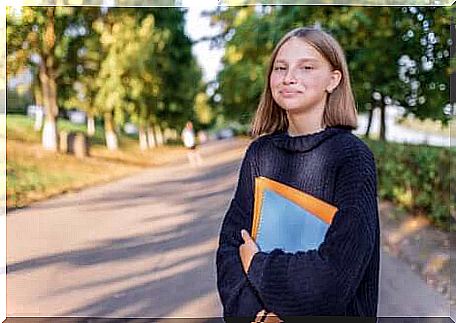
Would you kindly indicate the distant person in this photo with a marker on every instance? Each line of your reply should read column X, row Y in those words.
column 189, row 139
column 303, row 139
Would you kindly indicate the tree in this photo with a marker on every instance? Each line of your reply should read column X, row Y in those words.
column 78, row 87
column 149, row 65
column 178, row 68
column 38, row 37
column 424, row 69
column 373, row 53
column 126, row 79
column 248, row 36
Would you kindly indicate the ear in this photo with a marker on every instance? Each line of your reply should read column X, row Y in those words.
column 334, row 81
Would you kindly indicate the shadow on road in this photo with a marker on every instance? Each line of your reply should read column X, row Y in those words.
column 203, row 196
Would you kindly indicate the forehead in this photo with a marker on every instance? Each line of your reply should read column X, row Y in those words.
column 296, row 49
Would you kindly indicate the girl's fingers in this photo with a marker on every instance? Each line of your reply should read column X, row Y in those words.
column 245, row 235
column 267, row 317
column 260, row 316
column 272, row 318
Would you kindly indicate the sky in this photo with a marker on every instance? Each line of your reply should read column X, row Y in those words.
column 197, row 27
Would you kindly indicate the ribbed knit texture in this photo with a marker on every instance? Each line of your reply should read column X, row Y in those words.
column 341, row 277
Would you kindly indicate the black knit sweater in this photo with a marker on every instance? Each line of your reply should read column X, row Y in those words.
column 341, row 277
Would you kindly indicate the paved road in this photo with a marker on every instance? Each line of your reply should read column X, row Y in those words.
column 144, row 246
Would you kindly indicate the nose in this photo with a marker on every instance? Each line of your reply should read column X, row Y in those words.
column 289, row 77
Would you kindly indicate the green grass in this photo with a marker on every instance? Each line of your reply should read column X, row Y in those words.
column 25, row 181
column 34, row 174
column 21, row 127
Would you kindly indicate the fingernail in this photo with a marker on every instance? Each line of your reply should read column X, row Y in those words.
column 244, row 233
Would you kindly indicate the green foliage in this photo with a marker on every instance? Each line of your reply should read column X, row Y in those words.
column 203, row 112
column 17, row 102
column 418, row 178
column 373, row 53
column 178, row 69
column 426, row 35
column 135, row 65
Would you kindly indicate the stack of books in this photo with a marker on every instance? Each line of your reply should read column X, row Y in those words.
column 287, row 218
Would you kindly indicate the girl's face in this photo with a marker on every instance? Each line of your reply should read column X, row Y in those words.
column 301, row 76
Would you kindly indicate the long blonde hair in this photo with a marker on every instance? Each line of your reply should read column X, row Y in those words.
column 340, row 106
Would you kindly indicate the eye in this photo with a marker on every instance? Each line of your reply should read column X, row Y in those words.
column 279, row 68
column 307, row 67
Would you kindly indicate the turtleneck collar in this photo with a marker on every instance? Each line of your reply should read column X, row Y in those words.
column 306, row 142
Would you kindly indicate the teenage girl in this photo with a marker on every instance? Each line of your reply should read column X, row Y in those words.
column 303, row 139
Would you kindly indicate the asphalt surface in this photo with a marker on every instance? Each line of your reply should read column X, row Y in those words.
column 144, row 246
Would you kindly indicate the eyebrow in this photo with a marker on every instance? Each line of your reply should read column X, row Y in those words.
column 299, row 60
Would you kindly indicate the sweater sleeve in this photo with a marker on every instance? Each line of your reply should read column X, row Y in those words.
column 237, row 295
column 324, row 281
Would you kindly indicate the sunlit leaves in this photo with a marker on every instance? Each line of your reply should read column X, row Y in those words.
column 373, row 38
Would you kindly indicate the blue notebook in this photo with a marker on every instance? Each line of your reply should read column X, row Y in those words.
column 287, row 218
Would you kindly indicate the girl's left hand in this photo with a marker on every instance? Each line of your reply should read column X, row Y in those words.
column 263, row 316
column 247, row 250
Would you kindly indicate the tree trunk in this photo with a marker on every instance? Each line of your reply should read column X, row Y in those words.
column 382, row 122
column 48, row 84
column 142, row 138
column 159, row 135
column 90, row 125
column 369, row 122
column 110, row 134
column 47, row 75
column 151, row 140
column 49, row 136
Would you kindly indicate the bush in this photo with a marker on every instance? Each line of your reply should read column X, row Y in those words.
column 417, row 178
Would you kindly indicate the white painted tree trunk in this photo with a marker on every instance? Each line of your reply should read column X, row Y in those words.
column 90, row 125
column 111, row 137
column 159, row 136
column 142, row 139
column 151, row 141
column 49, row 136
column 51, row 110
column 111, row 140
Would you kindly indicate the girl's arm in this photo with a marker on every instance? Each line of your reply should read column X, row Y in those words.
column 324, row 281
column 238, row 296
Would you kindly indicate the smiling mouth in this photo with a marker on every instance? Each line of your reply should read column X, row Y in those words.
column 289, row 93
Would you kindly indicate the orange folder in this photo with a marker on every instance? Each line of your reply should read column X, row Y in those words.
column 287, row 218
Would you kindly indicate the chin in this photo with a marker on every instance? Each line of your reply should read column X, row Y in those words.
column 293, row 108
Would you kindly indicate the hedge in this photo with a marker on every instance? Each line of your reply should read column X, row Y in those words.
column 421, row 179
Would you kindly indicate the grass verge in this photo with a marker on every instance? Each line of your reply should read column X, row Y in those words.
column 33, row 174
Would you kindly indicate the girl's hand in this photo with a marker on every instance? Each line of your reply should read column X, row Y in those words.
column 270, row 317
column 247, row 250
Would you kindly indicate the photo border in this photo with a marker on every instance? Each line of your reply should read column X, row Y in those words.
column 163, row 3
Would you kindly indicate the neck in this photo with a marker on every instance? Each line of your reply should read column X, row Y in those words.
column 304, row 123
